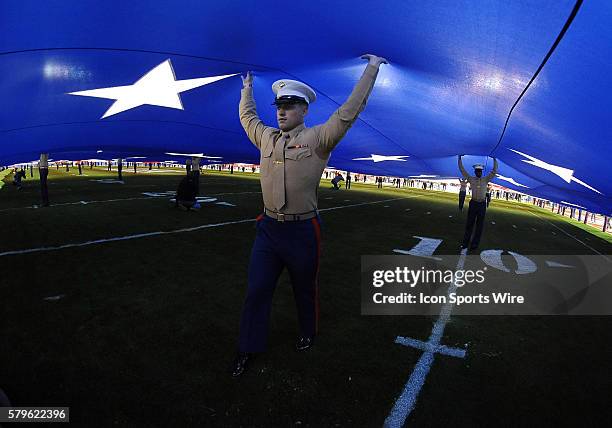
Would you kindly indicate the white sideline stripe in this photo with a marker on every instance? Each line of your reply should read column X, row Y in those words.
column 111, row 200
column 367, row 203
column 406, row 401
column 74, row 203
column 120, row 238
column 168, row 232
column 571, row 236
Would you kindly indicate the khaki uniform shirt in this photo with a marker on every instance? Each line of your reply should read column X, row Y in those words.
column 478, row 185
column 292, row 162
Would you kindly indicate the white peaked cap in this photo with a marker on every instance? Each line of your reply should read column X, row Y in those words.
column 289, row 89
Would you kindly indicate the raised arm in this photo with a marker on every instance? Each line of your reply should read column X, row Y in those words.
column 253, row 126
column 332, row 131
column 491, row 175
column 462, row 169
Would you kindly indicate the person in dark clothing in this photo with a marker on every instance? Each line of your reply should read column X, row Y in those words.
column 19, row 175
column 186, row 194
column 337, row 179
column 347, row 183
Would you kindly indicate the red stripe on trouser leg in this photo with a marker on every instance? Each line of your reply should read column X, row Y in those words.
column 259, row 217
column 317, row 229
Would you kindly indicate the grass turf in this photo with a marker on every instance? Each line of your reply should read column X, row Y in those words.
column 146, row 328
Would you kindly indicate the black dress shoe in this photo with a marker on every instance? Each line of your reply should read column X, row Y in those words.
column 240, row 363
column 303, row 343
column 473, row 247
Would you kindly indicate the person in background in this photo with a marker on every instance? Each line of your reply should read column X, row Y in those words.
column 337, row 179
column 186, row 194
column 19, row 175
column 478, row 204
column 462, row 192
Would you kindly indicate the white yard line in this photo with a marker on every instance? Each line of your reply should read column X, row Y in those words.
column 407, row 400
column 168, row 232
column 571, row 236
column 114, row 200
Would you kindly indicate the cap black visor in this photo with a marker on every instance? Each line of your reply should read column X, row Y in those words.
column 289, row 99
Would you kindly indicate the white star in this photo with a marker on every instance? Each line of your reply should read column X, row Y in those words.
column 565, row 173
column 158, row 87
column 194, row 155
column 574, row 205
column 510, row 180
column 381, row 158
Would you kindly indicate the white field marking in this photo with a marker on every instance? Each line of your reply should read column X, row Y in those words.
column 115, row 200
column 553, row 232
column 167, row 232
column 406, row 401
column 202, row 200
column 386, row 206
column 160, row 171
column 227, row 204
column 235, row 193
column 367, row 203
column 159, row 194
column 571, row 236
column 109, row 181
column 121, row 238
column 550, row 263
column 426, row 346
column 76, row 203
column 53, row 298
column 514, row 226
column 424, row 248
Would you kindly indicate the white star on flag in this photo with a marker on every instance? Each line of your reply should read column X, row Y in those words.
column 382, row 158
column 194, row 155
column 574, row 205
column 158, row 87
column 565, row 173
column 510, row 180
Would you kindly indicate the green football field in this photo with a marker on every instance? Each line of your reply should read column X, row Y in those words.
column 126, row 310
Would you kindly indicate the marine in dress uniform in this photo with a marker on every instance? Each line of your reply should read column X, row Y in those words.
column 292, row 159
column 478, row 203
